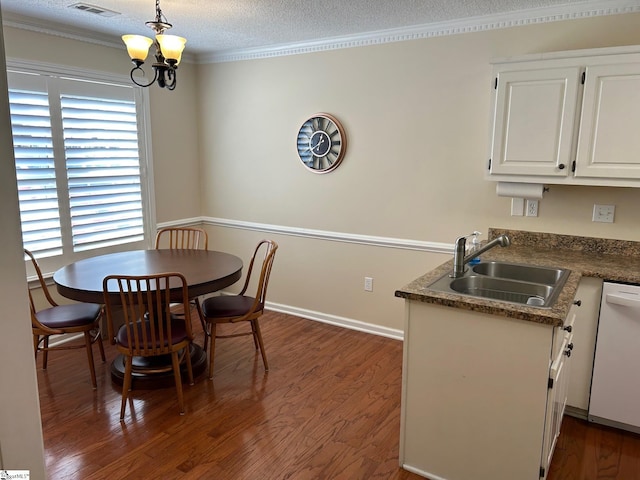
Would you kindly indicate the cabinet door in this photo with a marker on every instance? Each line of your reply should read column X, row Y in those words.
column 609, row 144
column 584, row 333
column 534, row 121
column 556, row 398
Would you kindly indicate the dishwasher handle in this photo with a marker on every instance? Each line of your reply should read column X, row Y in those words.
column 624, row 300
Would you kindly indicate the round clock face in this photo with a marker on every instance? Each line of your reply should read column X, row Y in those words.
column 321, row 143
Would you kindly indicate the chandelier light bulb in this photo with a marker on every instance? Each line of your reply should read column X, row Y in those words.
column 171, row 47
column 137, row 46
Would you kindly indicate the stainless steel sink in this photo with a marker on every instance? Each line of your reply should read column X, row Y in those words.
column 525, row 273
column 507, row 282
column 500, row 289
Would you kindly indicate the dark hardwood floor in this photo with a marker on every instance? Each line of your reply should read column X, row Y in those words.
column 329, row 408
column 586, row 451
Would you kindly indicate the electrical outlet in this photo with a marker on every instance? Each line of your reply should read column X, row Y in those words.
column 532, row 208
column 603, row 213
column 368, row 284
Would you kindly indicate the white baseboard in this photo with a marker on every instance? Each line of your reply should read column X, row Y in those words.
column 422, row 473
column 338, row 321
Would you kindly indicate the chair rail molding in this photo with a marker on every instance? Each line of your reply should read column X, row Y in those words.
column 370, row 240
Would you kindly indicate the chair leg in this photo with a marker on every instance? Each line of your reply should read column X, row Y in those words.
column 126, row 384
column 45, row 351
column 101, row 346
column 203, row 323
column 92, row 368
column 255, row 336
column 36, row 341
column 176, row 374
column 258, row 335
column 212, row 349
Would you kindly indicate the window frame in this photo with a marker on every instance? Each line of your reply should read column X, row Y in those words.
column 141, row 99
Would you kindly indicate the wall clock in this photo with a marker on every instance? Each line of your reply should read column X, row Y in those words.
column 321, row 143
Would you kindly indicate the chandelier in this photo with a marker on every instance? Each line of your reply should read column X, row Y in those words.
column 168, row 52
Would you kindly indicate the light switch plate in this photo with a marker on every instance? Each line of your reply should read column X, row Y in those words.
column 603, row 213
column 517, row 207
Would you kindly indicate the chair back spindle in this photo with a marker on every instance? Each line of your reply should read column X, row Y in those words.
column 182, row 238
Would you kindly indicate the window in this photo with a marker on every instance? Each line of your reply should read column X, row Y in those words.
column 80, row 155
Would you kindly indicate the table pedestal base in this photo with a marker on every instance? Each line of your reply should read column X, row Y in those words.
column 146, row 376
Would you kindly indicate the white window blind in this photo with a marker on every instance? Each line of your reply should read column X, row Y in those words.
column 78, row 157
column 36, row 173
column 103, row 171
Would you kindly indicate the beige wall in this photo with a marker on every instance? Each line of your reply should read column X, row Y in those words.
column 416, row 115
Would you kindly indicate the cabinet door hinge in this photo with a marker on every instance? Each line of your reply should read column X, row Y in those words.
column 584, row 77
column 550, row 383
column 542, row 470
column 495, row 85
column 573, row 166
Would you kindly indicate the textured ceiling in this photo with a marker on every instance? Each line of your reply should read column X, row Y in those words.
column 226, row 25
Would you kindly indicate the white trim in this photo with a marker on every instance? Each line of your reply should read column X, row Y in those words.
column 337, row 321
column 184, row 222
column 387, row 242
column 75, row 73
column 593, row 8
column 57, row 340
column 422, row 473
column 568, row 11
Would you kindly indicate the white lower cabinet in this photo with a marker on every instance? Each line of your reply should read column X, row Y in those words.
column 584, row 334
column 559, row 375
column 476, row 399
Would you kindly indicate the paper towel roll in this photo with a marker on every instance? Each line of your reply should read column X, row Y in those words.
column 520, row 190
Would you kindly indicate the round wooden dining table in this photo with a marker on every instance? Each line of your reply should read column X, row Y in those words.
column 205, row 271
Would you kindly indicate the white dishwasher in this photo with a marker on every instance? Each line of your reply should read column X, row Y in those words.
column 615, row 385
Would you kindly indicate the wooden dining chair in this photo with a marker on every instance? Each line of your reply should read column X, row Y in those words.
column 149, row 328
column 182, row 238
column 185, row 238
column 242, row 308
column 71, row 319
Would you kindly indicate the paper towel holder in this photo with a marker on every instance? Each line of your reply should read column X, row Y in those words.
column 533, row 191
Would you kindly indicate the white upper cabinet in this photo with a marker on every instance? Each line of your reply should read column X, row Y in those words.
column 534, row 121
column 609, row 142
column 568, row 118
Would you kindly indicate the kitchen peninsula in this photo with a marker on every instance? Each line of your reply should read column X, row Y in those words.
column 485, row 382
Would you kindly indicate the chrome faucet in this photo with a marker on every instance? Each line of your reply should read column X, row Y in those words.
column 459, row 259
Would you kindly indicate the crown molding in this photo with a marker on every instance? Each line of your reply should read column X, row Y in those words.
column 570, row 11
column 22, row 22
column 573, row 11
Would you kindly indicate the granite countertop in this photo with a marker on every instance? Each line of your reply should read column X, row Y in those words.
column 614, row 260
